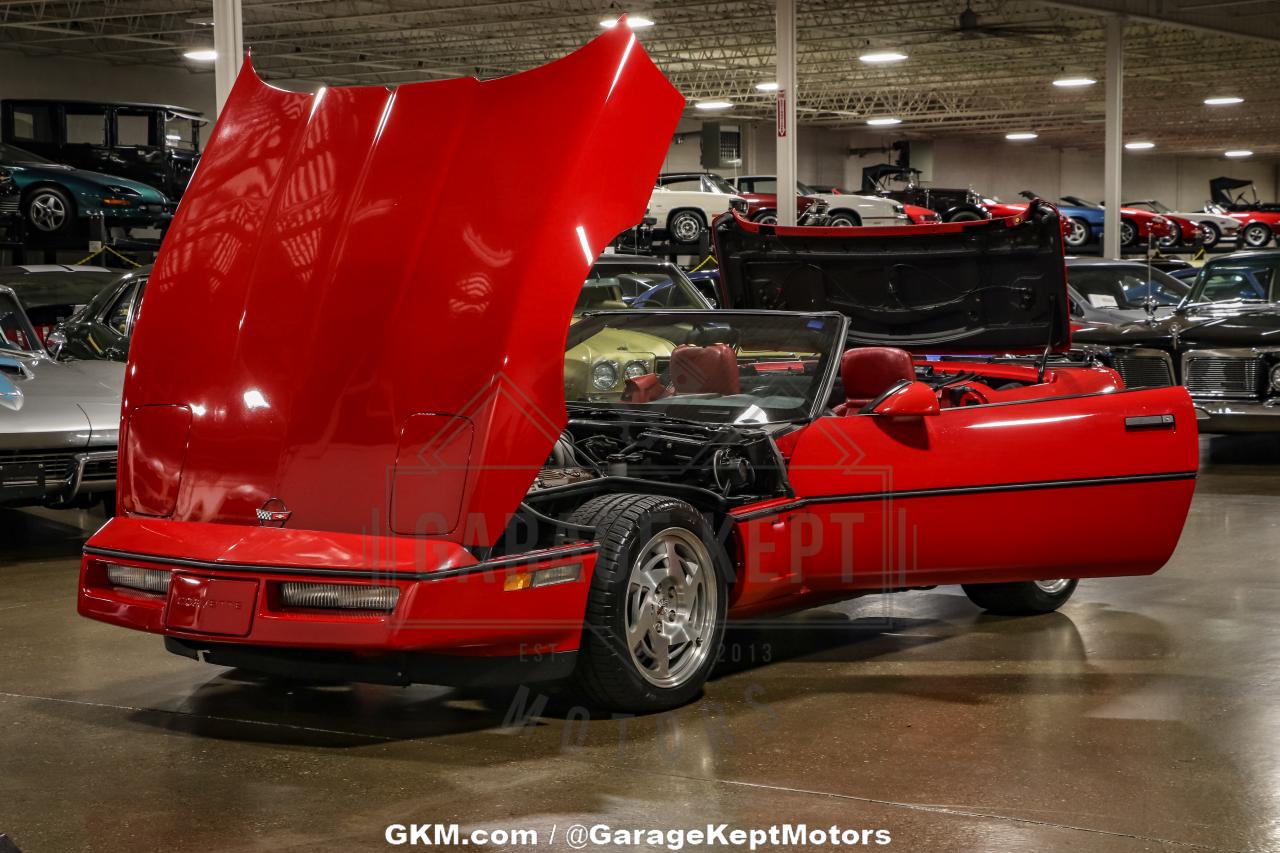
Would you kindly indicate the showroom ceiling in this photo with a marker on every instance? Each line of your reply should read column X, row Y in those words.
column 955, row 83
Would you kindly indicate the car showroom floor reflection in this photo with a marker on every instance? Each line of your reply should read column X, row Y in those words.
column 1140, row 717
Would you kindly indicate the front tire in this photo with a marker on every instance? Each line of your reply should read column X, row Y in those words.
column 1174, row 237
column 686, row 226
column 1024, row 598
column 1128, row 233
column 1077, row 232
column 1257, row 235
column 50, row 211
column 656, row 609
column 766, row 217
column 965, row 216
column 844, row 219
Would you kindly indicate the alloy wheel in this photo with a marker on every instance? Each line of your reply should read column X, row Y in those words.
column 1077, row 233
column 670, row 616
column 47, row 212
column 1257, row 235
column 1128, row 234
column 1209, row 234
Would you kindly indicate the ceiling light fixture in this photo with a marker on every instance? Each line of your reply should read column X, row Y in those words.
column 713, row 105
column 1241, row 152
column 767, row 87
column 1139, row 146
column 1073, row 82
column 202, row 54
column 635, row 22
column 1223, row 101
column 882, row 56
column 883, row 122
column 1020, row 136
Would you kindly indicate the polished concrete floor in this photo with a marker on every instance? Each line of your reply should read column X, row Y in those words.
column 1145, row 716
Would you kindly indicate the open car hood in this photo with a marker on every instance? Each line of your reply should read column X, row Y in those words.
column 995, row 286
column 335, row 324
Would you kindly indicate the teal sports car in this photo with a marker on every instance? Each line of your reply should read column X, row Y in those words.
column 56, row 201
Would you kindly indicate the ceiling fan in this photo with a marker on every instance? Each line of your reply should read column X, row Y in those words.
column 970, row 25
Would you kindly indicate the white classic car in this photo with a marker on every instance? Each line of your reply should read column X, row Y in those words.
column 842, row 209
column 1213, row 228
column 684, row 204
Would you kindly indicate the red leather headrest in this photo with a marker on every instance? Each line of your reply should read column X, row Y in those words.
column 643, row 389
column 867, row 372
column 704, row 370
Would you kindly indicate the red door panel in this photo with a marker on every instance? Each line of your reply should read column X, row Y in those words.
column 1067, row 487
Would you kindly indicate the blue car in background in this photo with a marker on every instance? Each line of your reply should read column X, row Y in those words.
column 1084, row 224
column 56, row 200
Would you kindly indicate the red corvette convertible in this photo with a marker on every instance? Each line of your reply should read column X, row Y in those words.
column 449, row 496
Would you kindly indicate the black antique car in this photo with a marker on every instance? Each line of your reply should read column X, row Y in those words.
column 1222, row 342
column 10, row 210
column 153, row 144
column 902, row 183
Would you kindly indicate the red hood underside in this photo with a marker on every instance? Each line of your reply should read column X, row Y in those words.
column 341, row 328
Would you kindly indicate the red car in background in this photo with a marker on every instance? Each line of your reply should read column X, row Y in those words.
column 763, row 207
column 462, row 502
column 1259, row 221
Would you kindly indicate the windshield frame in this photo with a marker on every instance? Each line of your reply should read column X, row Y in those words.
column 28, row 329
column 1118, row 268
column 825, row 383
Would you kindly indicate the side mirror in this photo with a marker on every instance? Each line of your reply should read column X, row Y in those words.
column 910, row 399
column 55, row 341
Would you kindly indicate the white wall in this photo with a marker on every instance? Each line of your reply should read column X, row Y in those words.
column 44, row 77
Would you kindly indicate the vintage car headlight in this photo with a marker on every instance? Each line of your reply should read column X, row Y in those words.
column 1275, row 377
column 635, row 369
column 604, row 375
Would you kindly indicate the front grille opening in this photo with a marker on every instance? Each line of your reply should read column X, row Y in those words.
column 32, row 467
column 1144, row 371
column 1225, row 376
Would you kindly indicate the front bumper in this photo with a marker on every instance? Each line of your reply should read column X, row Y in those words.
column 451, row 608
column 55, row 478
column 1225, row 416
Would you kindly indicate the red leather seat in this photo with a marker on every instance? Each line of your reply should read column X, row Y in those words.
column 867, row 372
column 704, row 370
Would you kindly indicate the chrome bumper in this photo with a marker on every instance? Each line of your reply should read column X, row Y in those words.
column 1236, row 416
column 88, row 474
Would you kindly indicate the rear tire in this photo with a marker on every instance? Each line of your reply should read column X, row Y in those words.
column 1128, row 233
column 656, row 609
column 1023, row 598
column 1257, row 235
column 766, row 217
column 1078, row 232
column 843, row 219
column 965, row 216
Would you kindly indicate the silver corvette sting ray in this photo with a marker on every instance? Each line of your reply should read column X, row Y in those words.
column 59, row 419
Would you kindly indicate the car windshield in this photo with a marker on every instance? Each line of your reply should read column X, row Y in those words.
column 16, row 332
column 181, row 133
column 614, row 285
column 1125, row 287
column 712, row 367
column 721, row 185
column 14, row 154
column 1153, row 206
column 805, row 189
column 51, row 297
column 1236, row 281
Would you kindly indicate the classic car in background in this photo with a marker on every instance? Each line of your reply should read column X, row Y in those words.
column 103, row 326
column 1107, row 291
column 1214, row 228
column 600, row 369
column 59, row 418
column 842, row 210
column 1222, row 342
column 51, row 293
column 1238, row 199
column 903, row 184
column 153, row 144
column 684, row 204
column 1138, row 225
column 56, row 200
